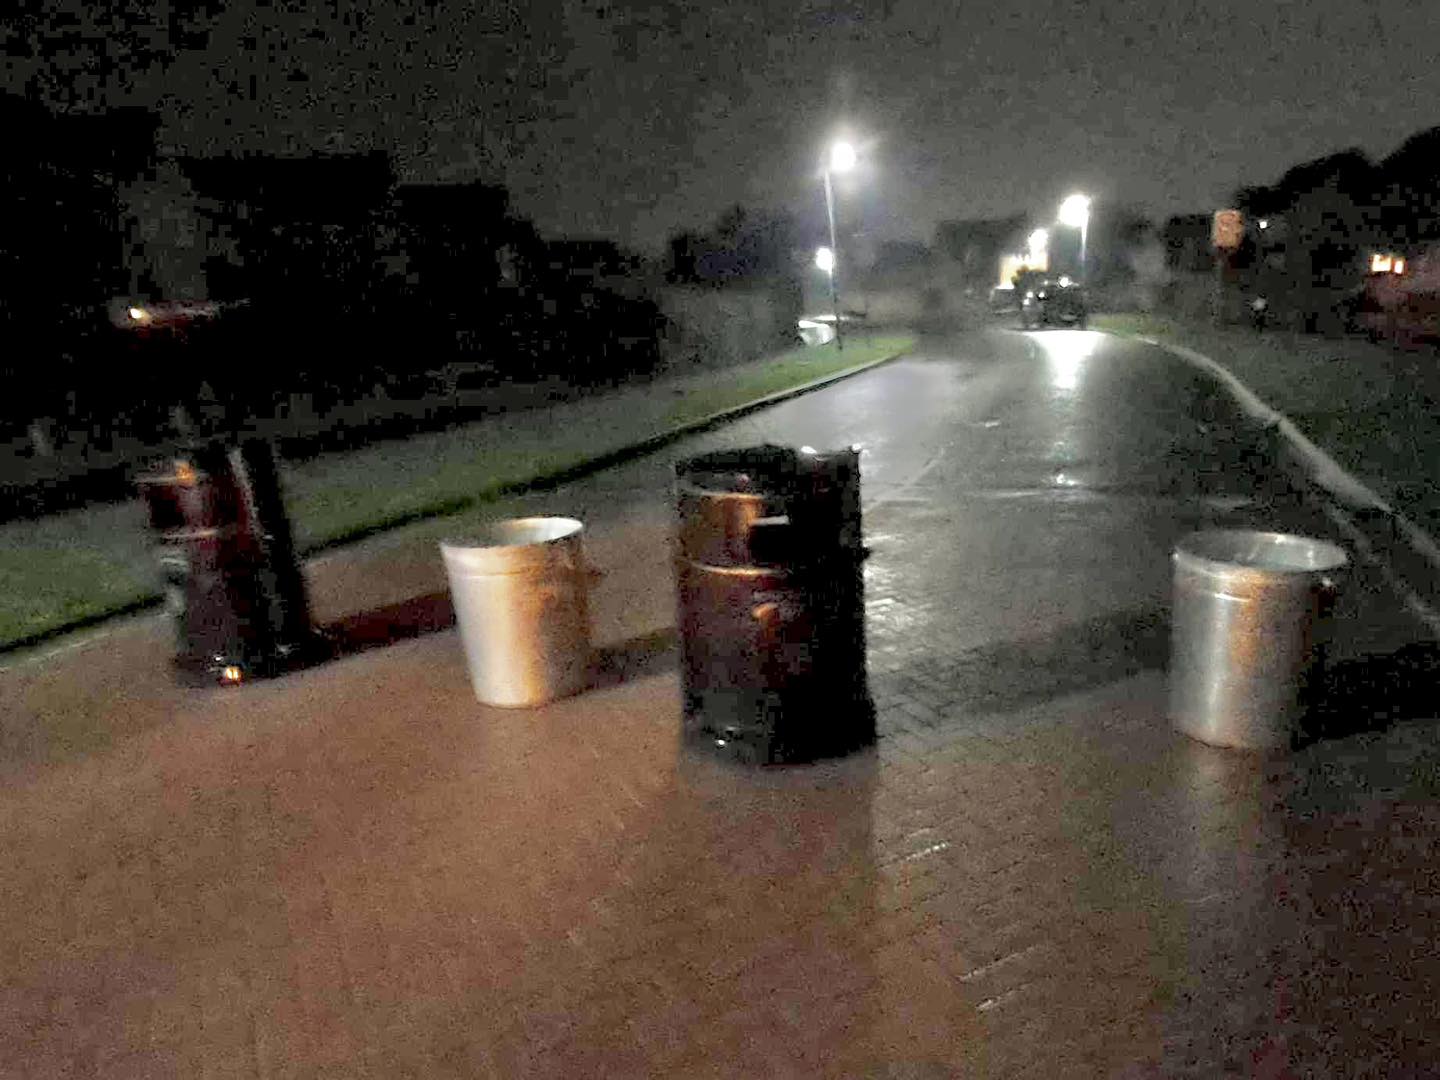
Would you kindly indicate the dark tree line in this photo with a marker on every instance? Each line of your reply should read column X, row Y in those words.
column 335, row 281
column 332, row 282
column 1326, row 216
column 358, row 284
column 741, row 246
column 61, row 252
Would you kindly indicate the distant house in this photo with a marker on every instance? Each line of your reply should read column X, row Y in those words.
column 899, row 256
column 1400, row 299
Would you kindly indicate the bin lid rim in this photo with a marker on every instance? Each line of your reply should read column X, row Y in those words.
column 772, row 467
column 694, row 484
column 1258, row 551
column 512, row 533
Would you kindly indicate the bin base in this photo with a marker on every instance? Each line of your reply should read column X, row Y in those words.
column 1231, row 736
column 193, row 671
column 775, row 728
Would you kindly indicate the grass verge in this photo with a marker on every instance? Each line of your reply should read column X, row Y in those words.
column 1375, row 411
column 1134, row 324
column 791, row 369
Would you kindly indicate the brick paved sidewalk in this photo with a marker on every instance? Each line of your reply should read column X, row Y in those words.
column 357, row 871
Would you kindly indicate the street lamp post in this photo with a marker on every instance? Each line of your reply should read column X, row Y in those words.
column 842, row 158
column 1038, row 249
column 1075, row 212
column 825, row 262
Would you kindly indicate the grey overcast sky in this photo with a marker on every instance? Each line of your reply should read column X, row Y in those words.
column 632, row 119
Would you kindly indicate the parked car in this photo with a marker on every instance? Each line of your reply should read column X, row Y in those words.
column 1054, row 302
column 1003, row 300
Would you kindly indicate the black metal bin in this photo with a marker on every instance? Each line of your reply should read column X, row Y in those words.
column 769, row 568
column 224, row 545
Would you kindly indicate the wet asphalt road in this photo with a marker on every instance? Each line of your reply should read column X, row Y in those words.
column 1005, row 413
column 1037, row 480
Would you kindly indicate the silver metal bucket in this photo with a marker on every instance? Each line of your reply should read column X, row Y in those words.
column 520, row 589
column 1250, row 614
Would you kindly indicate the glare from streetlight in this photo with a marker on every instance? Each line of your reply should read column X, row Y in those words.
column 825, row 259
column 1075, row 211
column 137, row 314
column 842, row 157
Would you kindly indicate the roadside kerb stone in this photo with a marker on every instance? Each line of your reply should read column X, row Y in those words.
column 1369, row 522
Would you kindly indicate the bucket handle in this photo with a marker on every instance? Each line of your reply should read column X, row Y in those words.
column 587, row 573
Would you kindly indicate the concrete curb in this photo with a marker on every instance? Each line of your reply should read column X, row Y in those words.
column 1351, row 496
column 541, row 482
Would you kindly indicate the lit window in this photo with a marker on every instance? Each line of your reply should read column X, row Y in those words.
column 1380, row 264
column 1399, row 266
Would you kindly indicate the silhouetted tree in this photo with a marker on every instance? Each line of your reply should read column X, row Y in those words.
column 61, row 254
column 976, row 245
column 684, row 254
column 742, row 245
column 1409, row 191
column 1186, row 238
column 306, row 233
column 1116, row 233
column 1331, row 212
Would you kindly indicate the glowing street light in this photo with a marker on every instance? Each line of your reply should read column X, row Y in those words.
column 842, row 158
column 1075, row 212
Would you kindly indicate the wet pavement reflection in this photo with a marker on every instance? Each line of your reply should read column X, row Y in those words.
column 358, row 871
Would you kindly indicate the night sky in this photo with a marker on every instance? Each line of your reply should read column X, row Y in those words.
column 631, row 120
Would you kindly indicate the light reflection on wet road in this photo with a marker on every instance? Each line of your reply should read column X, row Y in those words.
column 1062, row 464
